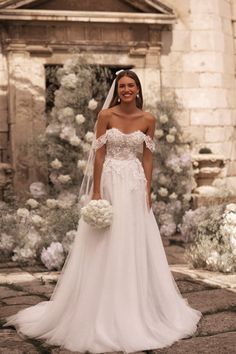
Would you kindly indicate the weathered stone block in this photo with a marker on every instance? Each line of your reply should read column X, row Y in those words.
column 202, row 117
column 195, row 134
column 184, row 118
column 207, row 40
column 204, row 22
column 203, row 98
column 223, row 148
column 215, row 134
column 180, row 80
column 172, row 61
column 181, row 41
column 205, row 7
column 203, row 62
column 210, row 79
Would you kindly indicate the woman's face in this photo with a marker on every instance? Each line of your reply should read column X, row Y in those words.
column 127, row 89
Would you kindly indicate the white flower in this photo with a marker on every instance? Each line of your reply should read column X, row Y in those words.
column 53, row 130
column 86, row 147
column 56, row 164
column 33, row 238
column 163, row 118
column 231, row 207
column 37, row 189
column 67, row 132
column 162, row 179
column 37, row 220
column 92, row 105
column 66, row 115
column 68, row 240
column 69, row 81
column 159, row 133
column 53, row 257
column 81, row 164
column 173, row 196
column 51, row 203
column 168, row 229
column 32, row 203
column 153, row 197
column 6, row 242
column 75, row 141
column 170, row 138
column 173, row 131
column 187, row 197
column 23, row 212
column 23, row 254
column 97, row 213
column 233, row 242
column 66, row 200
column 89, row 137
column 163, row 192
column 80, row 119
column 230, row 218
column 213, row 258
column 64, row 179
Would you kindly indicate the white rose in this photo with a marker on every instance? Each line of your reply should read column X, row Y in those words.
column 53, row 130
column 67, row 133
column 163, row 118
column 230, row 218
column 92, row 105
column 75, row 141
column 66, row 113
column 163, row 192
column 64, row 179
column 173, row 131
column 86, row 147
column 81, row 164
column 80, row 119
column 51, row 203
column 22, row 212
column 56, row 164
column 89, row 137
column 32, row 203
column 158, row 133
column 69, row 81
column 170, row 138
column 37, row 220
column 173, row 196
column 231, row 207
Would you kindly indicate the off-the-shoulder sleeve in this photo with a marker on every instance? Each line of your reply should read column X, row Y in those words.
column 99, row 142
column 149, row 143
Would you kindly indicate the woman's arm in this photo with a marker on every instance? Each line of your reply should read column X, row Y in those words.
column 101, row 128
column 147, row 160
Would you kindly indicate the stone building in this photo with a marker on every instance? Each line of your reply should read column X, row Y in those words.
column 183, row 46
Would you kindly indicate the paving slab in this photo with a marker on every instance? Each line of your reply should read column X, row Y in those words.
column 23, row 300
column 11, row 342
column 211, row 301
column 223, row 343
column 217, row 323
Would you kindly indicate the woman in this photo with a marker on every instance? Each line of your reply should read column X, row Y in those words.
column 116, row 292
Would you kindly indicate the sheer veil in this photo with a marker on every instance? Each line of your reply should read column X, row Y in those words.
column 85, row 188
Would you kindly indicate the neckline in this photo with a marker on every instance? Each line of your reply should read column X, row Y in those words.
column 120, row 131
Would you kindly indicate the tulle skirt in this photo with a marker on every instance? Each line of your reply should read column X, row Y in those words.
column 115, row 292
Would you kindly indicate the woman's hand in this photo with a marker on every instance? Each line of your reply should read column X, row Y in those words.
column 96, row 196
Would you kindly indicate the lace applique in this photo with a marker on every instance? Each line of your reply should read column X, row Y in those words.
column 99, row 142
column 149, row 143
column 134, row 169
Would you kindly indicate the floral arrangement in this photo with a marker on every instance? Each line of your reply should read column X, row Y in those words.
column 173, row 178
column 97, row 213
column 213, row 231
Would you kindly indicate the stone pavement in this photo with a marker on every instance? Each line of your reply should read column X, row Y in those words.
column 213, row 294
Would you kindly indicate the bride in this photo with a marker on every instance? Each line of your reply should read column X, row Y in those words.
column 116, row 292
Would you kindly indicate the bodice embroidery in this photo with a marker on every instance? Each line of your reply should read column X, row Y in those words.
column 122, row 150
column 124, row 146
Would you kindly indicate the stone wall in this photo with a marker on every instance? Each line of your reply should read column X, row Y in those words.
column 200, row 69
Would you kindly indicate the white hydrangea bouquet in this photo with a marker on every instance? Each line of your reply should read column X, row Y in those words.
column 97, row 213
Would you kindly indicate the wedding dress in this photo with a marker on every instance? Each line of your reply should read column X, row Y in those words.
column 116, row 292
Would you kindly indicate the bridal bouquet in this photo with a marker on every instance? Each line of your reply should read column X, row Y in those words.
column 97, row 213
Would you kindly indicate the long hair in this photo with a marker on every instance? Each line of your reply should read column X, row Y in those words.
column 132, row 75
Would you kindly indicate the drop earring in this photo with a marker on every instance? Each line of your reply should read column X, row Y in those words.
column 137, row 95
column 118, row 100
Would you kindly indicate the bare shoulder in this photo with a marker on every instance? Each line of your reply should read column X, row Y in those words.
column 150, row 119
column 105, row 114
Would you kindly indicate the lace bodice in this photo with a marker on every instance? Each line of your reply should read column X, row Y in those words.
column 123, row 146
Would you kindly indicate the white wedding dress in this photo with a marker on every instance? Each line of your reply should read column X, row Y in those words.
column 116, row 292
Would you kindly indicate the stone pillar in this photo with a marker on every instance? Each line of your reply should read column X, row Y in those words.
column 26, row 116
column 4, row 128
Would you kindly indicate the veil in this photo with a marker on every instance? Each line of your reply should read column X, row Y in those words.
column 85, row 188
